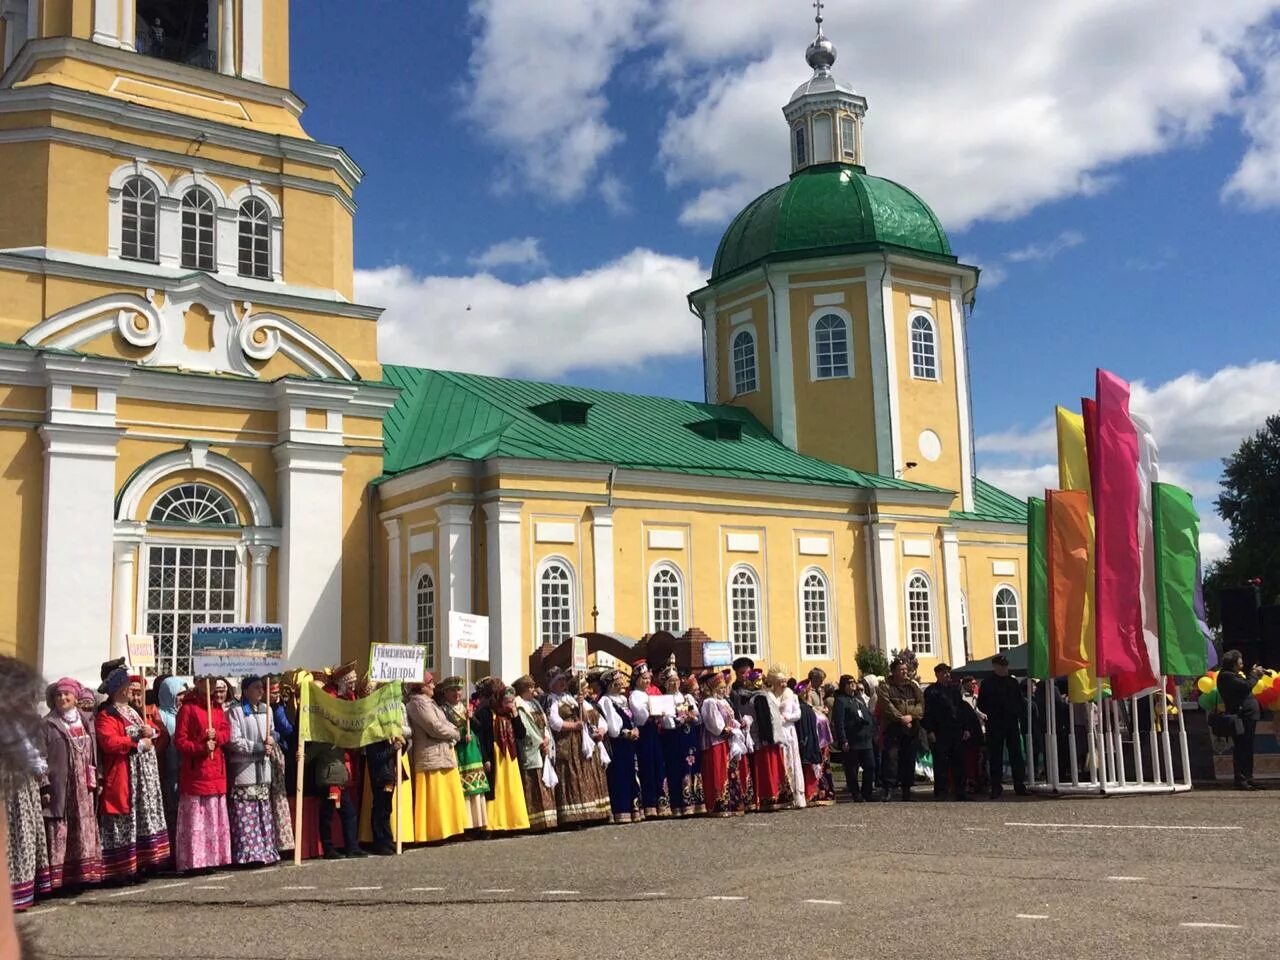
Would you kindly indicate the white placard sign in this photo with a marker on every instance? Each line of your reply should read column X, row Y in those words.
column 468, row 636
column 397, row 661
column 662, row 706
column 142, row 650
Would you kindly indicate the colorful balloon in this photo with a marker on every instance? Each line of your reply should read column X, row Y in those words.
column 1205, row 684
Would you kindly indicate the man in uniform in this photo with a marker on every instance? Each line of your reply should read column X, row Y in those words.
column 950, row 723
column 1002, row 700
column 901, row 707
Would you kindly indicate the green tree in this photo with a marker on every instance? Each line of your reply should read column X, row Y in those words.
column 1250, row 505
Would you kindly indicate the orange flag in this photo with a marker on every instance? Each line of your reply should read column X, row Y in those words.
column 1067, row 524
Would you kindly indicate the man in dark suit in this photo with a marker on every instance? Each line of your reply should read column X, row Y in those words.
column 950, row 723
column 1236, row 691
column 1002, row 700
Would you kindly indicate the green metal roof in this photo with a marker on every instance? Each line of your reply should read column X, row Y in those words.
column 829, row 209
column 441, row 414
column 993, row 505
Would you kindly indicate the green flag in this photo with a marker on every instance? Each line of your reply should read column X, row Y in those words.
column 349, row 724
column 1038, row 592
column 1177, row 548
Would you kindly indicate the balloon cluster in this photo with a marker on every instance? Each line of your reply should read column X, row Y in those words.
column 1266, row 688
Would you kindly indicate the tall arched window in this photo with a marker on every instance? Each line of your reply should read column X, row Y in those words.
column 815, row 619
column 255, row 239
column 198, row 230
column 666, row 601
column 1008, row 621
column 830, row 347
column 744, row 362
column 924, row 349
column 802, row 146
column 744, row 613
column 189, row 581
column 555, row 602
column 139, row 213
column 919, row 615
column 424, row 615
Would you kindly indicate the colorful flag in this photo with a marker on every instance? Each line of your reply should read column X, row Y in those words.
column 1182, row 634
column 350, row 724
column 1067, row 525
column 1073, row 474
column 1118, row 564
column 1038, row 594
column 1149, row 648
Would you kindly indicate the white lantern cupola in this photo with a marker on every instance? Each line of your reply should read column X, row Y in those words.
column 825, row 115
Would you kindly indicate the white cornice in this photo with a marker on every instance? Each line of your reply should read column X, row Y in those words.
column 154, row 120
column 989, row 526
column 563, row 469
column 108, row 270
column 424, row 477
column 129, row 151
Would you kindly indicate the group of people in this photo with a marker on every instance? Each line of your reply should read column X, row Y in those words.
column 127, row 781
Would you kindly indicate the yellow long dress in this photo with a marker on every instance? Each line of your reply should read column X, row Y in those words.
column 439, row 808
column 506, row 811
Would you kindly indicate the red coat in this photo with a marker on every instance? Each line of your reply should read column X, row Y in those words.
column 200, row 773
column 115, row 747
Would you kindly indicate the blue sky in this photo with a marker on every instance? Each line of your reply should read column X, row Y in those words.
column 541, row 162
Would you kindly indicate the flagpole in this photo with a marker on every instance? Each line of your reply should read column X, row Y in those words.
column 302, row 743
column 1139, row 775
column 1051, row 735
column 1100, row 741
column 1071, row 743
column 1164, row 729
column 1182, row 736
column 1117, row 745
column 395, row 802
column 1028, row 743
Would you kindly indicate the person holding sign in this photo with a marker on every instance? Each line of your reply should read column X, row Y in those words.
column 654, row 794
column 203, row 837
column 439, row 811
column 681, row 743
column 253, row 826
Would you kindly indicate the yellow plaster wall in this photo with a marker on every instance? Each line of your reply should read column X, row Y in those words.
column 760, row 401
column 317, row 242
column 980, row 584
column 24, row 199
column 275, row 44
column 835, row 419
column 928, row 404
column 21, row 493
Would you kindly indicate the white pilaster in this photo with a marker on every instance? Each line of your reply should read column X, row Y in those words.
column 780, row 352
column 959, row 348
column 710, row 353
column 395, row 576
column 251, row 39
column 169, row 232
column 602, row 561
column 259, row 558
column 128, row 24
column 880, row 380
column 454, row 590
column 506, row 639
column 226, row 247
column 106, row 22
column 309, row 484
column 227, row 39
column 123, row 588
column 953, row 588
column 891, row 371
column 888, row 588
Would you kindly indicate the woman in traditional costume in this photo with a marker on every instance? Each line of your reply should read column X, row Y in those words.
column 475, row 783
column 203, row 837
column 724, row 750
column 623, row 777
column 28, row 847
column 253, row 825
column 814, row 732
column 131, row 823
column 788, row 707
column 278, row 753
column 535, row 745
column 768, row 762
column 681, row 743
column 582, row 794
column 495, row 730
column 439, row 809
column 169, row 692
column 70, row 814
column 655, row 797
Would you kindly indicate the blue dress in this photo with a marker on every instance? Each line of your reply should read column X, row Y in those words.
column 624, row 783
column 654, row 797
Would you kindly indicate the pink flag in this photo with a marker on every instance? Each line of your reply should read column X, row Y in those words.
column 1116, row 494
column 1148, row 473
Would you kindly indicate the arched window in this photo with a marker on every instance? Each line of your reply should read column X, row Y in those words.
column 919, row 615
column 744, row 362
column 666, row 601
column 198, row 230
column 830, row 347
column 802, row 147
column 744, row 613
column 255, row 239
column 139, row 214
column 194, row 503
column 848, row 139
column 555, row 602
column 424, row 615
column 1008, row 621
column 815, row 620
column 924, row 349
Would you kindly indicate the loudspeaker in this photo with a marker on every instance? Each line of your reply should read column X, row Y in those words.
column 1240, row 621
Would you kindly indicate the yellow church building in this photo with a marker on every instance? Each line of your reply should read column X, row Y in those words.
column 195, row 426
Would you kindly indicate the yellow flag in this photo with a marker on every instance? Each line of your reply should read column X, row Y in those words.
column 1073, row 474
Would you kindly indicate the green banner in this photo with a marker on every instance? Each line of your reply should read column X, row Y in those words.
column 1037, row 592
column 350, row 724
column 1183, row 651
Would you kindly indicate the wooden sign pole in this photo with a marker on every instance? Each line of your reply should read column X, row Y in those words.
column 395, row 803
column 208, row 705
column 297, row 810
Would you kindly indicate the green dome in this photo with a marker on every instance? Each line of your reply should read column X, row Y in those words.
column 830, row 209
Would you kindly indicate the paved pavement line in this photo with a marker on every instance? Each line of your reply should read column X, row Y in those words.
column 39, row 910
column 297, row 888
column 425, row 889
column 1031, row 916
column 1118, row 826
column 1212, row 926
column 126, row 893
column 1126, row 879
column 652, row 893
column 499, row 890
column 828, row 903
column 561, row 893
column 213, row 887
column 219, row 876
column 379, row 887
column 726, row 898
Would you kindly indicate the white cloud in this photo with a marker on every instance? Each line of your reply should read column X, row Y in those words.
column 619, row 314
column 1044, row 252
column 1022, row 481
column 536, row 86
column 985, row 108
column 1256, row 182
column 517, row 252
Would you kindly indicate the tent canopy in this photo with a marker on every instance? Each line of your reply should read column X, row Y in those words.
column 982, row 668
